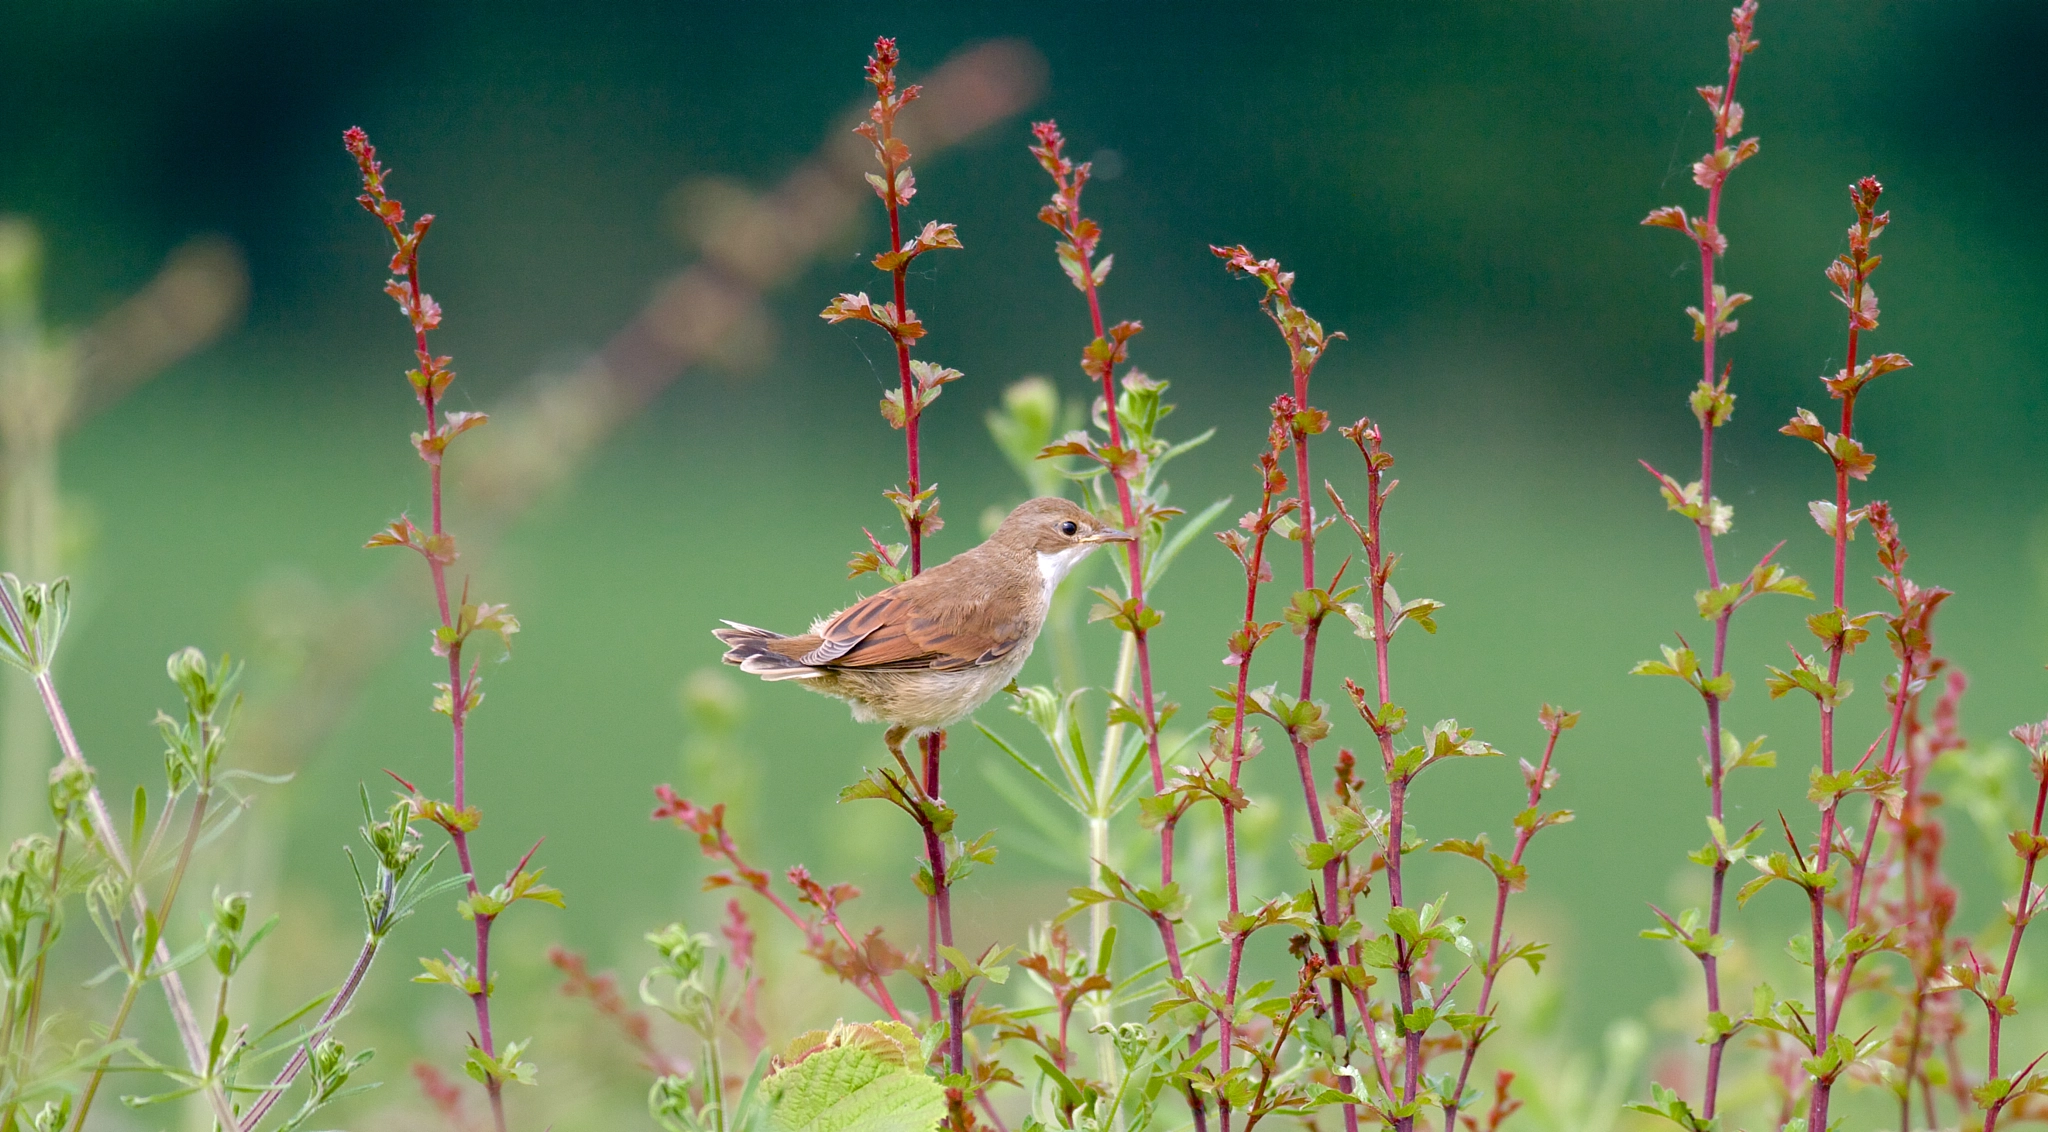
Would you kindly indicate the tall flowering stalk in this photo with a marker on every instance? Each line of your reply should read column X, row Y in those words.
column 947, row 972
column 1712, row 406
column 1248, row 544
column 1839, row 633
column 1141, row 514
column 1422, row 1001
column 460, row 618
column 1892, row 784
column 918, row 382
column 1304, row 719
column 1130, row 462
column 1509, row 876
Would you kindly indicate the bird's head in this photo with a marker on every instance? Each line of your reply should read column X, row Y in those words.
column 1056, row 532
column 1051, row 525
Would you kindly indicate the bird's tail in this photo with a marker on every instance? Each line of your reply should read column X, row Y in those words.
column 755, row 650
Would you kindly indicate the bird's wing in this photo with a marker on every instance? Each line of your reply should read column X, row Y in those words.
column 913, row 626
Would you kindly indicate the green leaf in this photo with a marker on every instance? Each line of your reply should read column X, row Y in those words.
column 857, row 1078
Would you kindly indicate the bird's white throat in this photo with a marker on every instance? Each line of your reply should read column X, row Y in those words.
column 1054, row 564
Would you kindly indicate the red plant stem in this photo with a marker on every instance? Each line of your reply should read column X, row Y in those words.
column 1287, row 1022
column 1253, row 569
column 1308, row 647
column 1500, row 911
column 876, row 989
column 1925, row 944
column 941, row 902
column 894, row 205
column 1817, row 1108
column 1859, row 865
column 1134, row 560
column 1306, row 342
column 938, row 910
column 1361, row 997
column 1710, row 964
column 1913, row 916
column 721, row 844
column 1397, row 790
column 1404, row 960
column 458, row 719
column 1066, row 1006
column 939, row 905
column 437, row 562
column 1226, row 1018
column 482, row 998
column 2023, row 914
column 1333, row 910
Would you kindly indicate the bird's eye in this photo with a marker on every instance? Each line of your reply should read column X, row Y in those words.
column 1068, row 527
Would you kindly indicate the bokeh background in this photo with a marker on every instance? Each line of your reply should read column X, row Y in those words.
column 1458, row 185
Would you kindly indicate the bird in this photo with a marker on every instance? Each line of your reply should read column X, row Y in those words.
column 927, row 652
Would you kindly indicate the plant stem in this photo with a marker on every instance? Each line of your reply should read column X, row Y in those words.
column 1491, row 971
column 1710, row 963
column 1243, row 646
column 152, row 948
column 297, row 1062
column 429, row 380
column 894, row 157
column 1296, row 421
column 940, row 905
column 1134, row 562
column 186, row 1023
column 716, row 842
column 1925, row 944
column 1859, row 865
column 1069, row 221
column 2024, row 913
column 915, row 523
column 1101, row 1006
column 458, row 714
column 32, row 1010
column 92, row 1084
column 1397, row 790
column 1334, row 911
column 1817, row 1109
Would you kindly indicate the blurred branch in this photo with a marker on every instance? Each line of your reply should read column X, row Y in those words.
column 49, row 384
column 200, row 292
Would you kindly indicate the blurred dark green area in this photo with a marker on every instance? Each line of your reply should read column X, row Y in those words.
column 1458, row 185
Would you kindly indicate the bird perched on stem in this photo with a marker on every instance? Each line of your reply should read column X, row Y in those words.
column 927, row 652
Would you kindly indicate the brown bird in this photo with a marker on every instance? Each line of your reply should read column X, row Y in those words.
column 927, row 652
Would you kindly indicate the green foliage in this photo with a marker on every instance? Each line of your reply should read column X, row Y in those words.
column 32, row 620
column 853, row 1078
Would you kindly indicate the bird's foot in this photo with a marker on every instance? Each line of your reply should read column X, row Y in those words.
column 894, row 738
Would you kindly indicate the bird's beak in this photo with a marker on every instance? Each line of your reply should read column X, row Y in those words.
column 1111, row 534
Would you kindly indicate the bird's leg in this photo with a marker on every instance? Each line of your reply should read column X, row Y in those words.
column 894, row 738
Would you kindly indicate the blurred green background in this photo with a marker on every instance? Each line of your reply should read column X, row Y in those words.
column 1457, row 184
